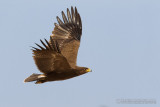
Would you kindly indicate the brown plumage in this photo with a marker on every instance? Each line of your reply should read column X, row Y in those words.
column 57, row 58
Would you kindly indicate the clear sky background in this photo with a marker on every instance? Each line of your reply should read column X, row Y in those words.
column 120, row 43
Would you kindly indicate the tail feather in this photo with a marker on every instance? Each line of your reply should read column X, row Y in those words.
column 32, row 77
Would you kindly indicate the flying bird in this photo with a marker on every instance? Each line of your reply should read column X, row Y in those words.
column 57, row 58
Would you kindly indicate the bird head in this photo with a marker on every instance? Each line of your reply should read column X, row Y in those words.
column 82, row 70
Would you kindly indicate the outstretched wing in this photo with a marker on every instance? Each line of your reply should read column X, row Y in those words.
column 68, row 34
column 49, row 57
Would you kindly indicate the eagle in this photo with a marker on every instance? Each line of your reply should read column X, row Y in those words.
column 56, row 58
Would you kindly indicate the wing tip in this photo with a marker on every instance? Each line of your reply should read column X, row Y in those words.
column 70, row 16
column 52, row 46
column 71, row 24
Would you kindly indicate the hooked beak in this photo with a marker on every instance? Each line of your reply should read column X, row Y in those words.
column 88, row 70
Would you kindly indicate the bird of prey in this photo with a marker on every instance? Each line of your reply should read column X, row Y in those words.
column 57, row 58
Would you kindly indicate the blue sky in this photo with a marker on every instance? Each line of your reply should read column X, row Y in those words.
column 120, row 43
